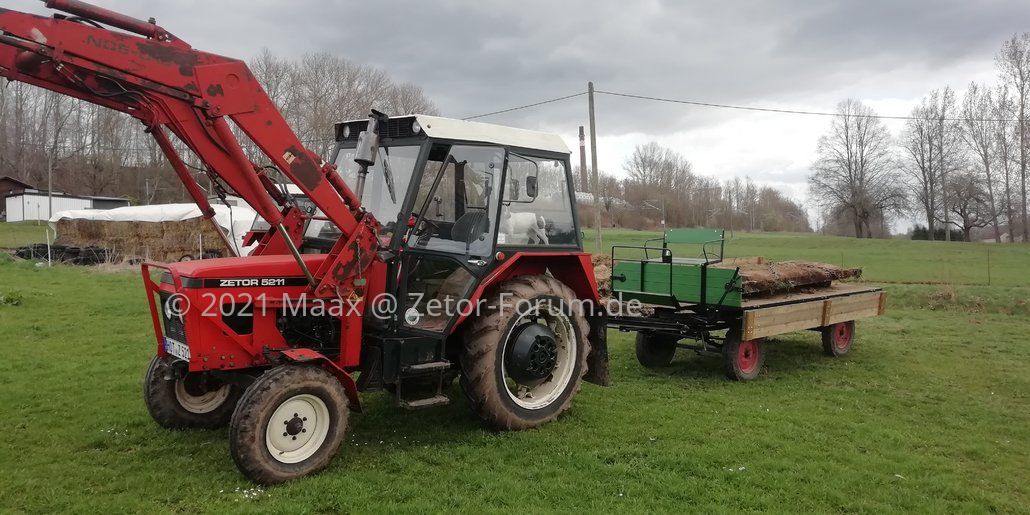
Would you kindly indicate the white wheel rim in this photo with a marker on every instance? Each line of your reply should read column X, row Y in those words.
column 203, row 403
column 297, row 429
column 545, row 393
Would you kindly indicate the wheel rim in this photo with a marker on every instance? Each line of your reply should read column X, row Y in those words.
column 842, row 336
column 544, row 393
column 747, row 356
column 297, row 429
column 196, row 398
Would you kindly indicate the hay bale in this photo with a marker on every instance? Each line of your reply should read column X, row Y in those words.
column 162, row 241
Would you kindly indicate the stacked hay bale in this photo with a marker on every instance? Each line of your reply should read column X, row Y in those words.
column 157, row 241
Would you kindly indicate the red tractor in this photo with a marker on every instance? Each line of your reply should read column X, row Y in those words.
column 425, row 250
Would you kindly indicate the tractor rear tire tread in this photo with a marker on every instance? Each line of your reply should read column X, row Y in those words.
column 249, row 421
column 481, row 355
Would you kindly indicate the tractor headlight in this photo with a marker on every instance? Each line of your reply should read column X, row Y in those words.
column 346, row 131
column 415, row 127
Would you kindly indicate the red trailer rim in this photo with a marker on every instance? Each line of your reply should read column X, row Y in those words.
column 842, row 336
column 747, row 356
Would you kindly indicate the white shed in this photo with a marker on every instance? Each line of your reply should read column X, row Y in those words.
column 32, row 204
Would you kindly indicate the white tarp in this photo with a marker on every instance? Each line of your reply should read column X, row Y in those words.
column 236, row 221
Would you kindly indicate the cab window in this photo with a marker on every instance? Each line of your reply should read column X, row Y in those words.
column 536, row 206
column 456, row 200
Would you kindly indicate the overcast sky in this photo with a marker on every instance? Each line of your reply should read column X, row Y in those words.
column 478, row 56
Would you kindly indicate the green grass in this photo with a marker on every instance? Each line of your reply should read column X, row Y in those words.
column 931, row 412
column 18, row 234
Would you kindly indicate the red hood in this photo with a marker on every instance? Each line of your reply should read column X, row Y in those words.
column 254, row 266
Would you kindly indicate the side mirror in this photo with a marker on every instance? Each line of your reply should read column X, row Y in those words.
column 531, row 186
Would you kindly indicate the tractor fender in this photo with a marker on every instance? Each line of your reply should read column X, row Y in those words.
column 302, row 355
column 575, row 270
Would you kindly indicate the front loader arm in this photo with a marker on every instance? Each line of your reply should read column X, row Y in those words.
column 153, row 76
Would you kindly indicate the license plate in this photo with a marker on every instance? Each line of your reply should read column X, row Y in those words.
column 177, row 349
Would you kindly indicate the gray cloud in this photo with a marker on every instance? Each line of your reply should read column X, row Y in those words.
column 475, row 56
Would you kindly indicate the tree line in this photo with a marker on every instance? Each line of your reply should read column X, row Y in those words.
column 92, row 150
column 959, row 164
column 659, row 179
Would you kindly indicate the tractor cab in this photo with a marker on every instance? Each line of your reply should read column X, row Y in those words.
column 456, row 198
column 460, row 187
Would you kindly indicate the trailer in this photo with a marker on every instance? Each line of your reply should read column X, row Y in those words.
column 699, row 303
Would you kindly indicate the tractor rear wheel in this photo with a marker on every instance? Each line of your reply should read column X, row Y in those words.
column 193, row 400
column 742, row 359
column 655, row 351
column 289, row 423
column 837, row 338
column 525, row 357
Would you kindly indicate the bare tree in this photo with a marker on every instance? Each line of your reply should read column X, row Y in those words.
column 980, row 129
column 854, row 174
column 1006, row 141
column 1014, row 65
column 920, row 163
column 949, row 153
column 408, row 98
column 971, row 203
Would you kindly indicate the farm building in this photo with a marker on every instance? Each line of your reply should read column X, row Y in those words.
column 9, row 184
column 33, row 204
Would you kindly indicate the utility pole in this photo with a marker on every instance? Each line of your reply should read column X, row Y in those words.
column 584, row 180
column 593, row 164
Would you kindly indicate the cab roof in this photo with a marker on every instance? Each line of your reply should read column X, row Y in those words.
column 464, row 130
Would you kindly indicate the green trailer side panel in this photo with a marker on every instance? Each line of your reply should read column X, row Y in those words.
column 650, row 281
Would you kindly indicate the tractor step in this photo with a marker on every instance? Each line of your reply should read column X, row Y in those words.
column 426, row 368
column 428, row 402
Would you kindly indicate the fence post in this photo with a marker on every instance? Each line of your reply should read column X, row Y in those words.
column 988, row 266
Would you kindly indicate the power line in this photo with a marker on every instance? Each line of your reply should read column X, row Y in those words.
column 789, row 111
column 566, row 97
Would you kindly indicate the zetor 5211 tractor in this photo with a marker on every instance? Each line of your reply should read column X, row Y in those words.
column 426, row 250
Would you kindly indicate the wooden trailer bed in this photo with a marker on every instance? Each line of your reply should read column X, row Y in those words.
column 821, row 307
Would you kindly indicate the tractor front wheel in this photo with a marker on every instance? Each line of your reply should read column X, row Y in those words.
column 524, row 358
column 655, row 351
column 742, row 359
column 289, row 423
column 185, row 401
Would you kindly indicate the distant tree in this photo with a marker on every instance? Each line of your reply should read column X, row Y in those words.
column 1006, row 143
column 854, row 174
column 979, row 129
column 1014, row 66
column 610, row 190
column 971, row 203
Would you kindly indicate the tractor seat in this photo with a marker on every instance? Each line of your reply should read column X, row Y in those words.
column 470, row 227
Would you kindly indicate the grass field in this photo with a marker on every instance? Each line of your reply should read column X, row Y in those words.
column 17, row 234
column 931, row 412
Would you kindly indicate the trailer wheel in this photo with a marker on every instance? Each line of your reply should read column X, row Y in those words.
column 524, row 359
column 289, row 423
column 743, row 359
column 837, row 338
column 655, row 351
column 193, row 401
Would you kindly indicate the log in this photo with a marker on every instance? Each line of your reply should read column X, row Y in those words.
column 762, row 277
